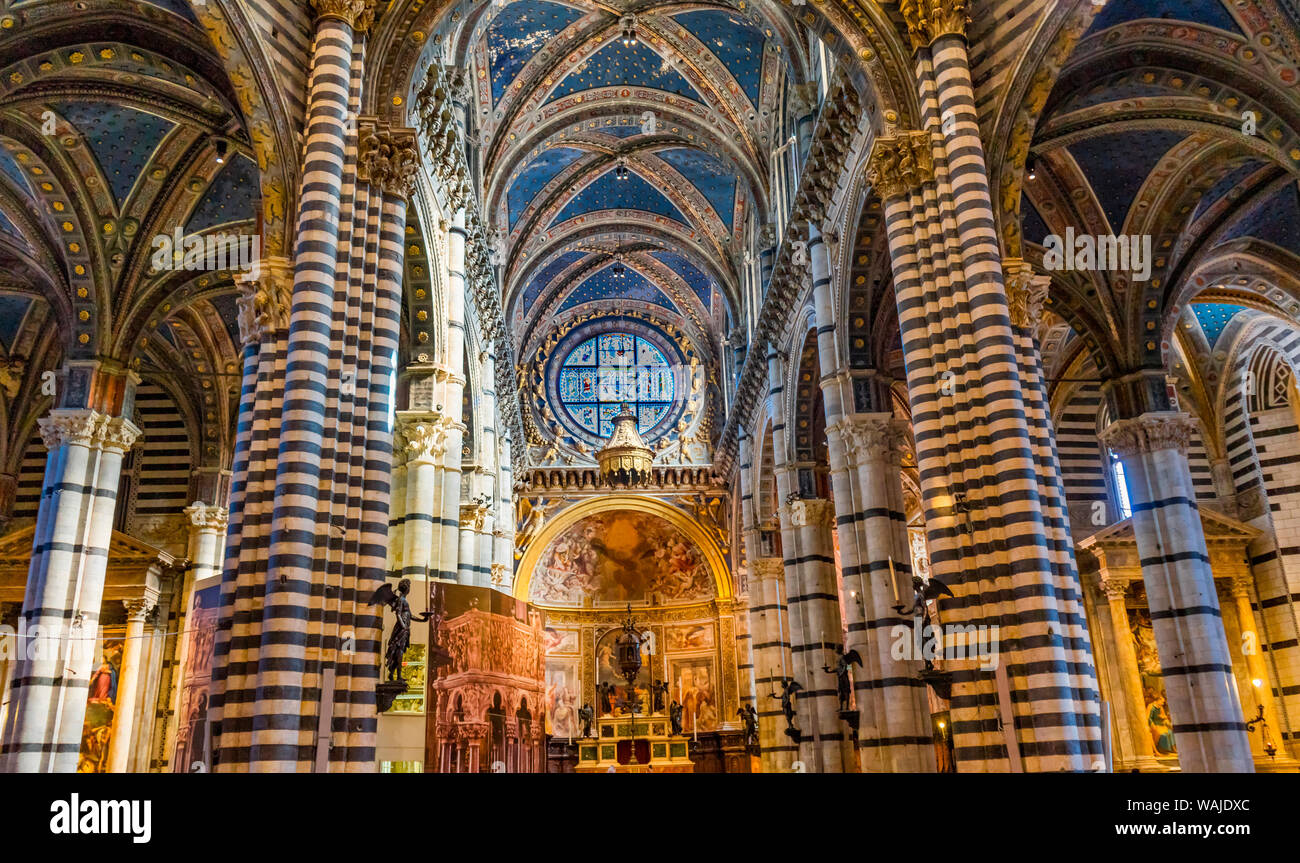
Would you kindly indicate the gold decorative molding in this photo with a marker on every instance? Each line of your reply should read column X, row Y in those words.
column 901, row 163
column 927, row 20
column 1026, row 293
column 1151, row 432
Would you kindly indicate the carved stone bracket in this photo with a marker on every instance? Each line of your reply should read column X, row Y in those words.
column 1151, row 432
column 901, row 163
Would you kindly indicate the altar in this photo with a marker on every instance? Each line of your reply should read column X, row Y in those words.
column 634, row 744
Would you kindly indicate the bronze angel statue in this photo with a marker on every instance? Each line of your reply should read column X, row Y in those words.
column 843, row 688
column 400, row 639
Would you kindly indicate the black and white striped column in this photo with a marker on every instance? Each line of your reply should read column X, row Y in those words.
column 65, row 581
column 1204, row 704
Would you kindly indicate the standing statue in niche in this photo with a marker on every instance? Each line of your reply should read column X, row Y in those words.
column 603, row 699
column 400, row 638
column 587, row 714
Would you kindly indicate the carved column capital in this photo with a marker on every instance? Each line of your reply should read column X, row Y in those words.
column 424, row 438
column 1151, row 432
column 85, row 427
column 473, row 516
column 927, row 20
column 1240, row 586
column 500, row 573
column 387, row 158
column 138, row 608
column 763, row 568
column 1026, row 293
column 811, row 512
column 208, row 517
column 265, row 297
column 1114, row 588
column 357, row 14
column 901, row 163
column 870, row 436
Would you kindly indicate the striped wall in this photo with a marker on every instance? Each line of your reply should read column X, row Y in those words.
column 162, row 458
column 31, row 473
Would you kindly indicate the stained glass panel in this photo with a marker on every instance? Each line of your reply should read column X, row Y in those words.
column 607, row 371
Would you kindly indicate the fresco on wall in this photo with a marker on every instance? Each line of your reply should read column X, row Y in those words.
column 1155, row 705
column 193, row 734
column 559, row 642
column 101, row 704
column 619, row 557
column 695, row 636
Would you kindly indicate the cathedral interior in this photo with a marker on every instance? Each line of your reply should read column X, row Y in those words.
column 730, row 386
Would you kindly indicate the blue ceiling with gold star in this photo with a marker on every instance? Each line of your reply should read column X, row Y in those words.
column 1117, row 165
column 1210, row 12
column 607, row 192
column 122, row 139
column 543, row 277
column 605, row 284
column 518, row 32
column 534, row 177
column 1214, row 318
column 231, row 197
column 714, row 180
column 634, row 65
column 734, row 41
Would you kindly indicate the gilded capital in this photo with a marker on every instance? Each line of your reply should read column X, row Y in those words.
column 1026, row 293
column 1151, row 432
column 927, row 20
column 901, row 163
column 764, row 568
column 138, row 608
column 85, row 427
column 357, row 14
column 265, row 298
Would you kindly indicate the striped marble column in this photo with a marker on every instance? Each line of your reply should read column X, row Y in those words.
column 865, row 455
column 768, row 627
column 816, row 632
column 65, row 581
column 1204, row 706
column 128, row 683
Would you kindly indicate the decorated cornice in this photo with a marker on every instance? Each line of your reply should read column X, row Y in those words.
column 1151, row 432
column 588, row 480
column 88, row 428
column 901, row 163
column 388, row 158
column 928, row 20
column 265, row 297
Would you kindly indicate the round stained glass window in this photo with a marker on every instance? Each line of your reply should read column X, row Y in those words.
column 610, row 370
